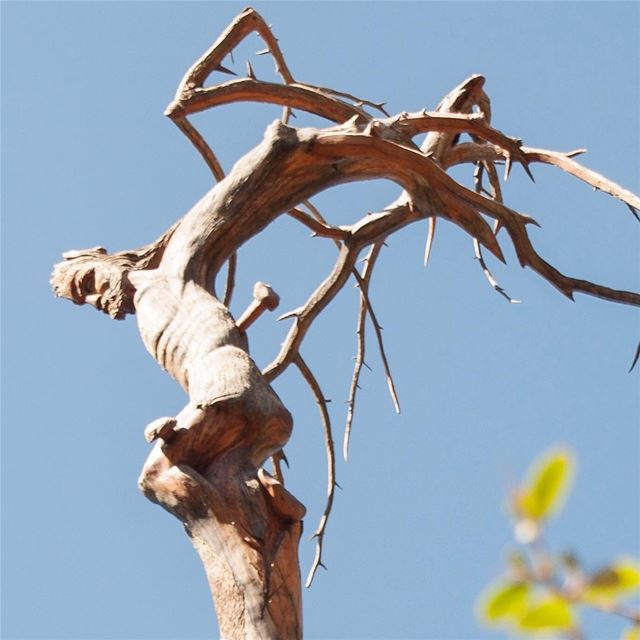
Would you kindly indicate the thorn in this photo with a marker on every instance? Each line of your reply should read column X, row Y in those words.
column 231, row 56
column 263, row 52
column 530, row 220
column 294, row 313
column 366, row 365
column 507, row 168
column 575, row 152
column 635, row 358
column 292, row 113
column 250, row 72
column 321, row 564
column 634, row 211
column 327, row 400
column 339, row 487
column 430, row 236
column 381, row 107
column 525, row 165
column 225, row 70
column 284, row 458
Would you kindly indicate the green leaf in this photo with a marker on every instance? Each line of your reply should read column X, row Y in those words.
column 631, row 634
column 505, row 601
column 550, row 614
column 547, row 485
column 615, row 582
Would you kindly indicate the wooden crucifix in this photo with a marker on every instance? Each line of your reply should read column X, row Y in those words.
column 206, row 467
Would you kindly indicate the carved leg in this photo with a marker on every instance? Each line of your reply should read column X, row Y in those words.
column 264, row 298
column 246, row 528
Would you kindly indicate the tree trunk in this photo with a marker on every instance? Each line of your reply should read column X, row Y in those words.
column 206, row 466
column 246, row 528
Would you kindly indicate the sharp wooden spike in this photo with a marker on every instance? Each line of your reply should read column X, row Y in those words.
column 225, row 70
column 635, row 358
column 634, row 211
column 507, row 168
column 430, row 236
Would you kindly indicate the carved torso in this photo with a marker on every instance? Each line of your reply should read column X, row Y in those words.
column 192, row 335
column 183, row 327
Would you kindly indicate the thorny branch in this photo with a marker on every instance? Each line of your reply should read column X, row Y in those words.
column 473, row 152
column 369, row 262
column 356, row 147
column 496, row 194
column 321, row 401
column 453, row 116
column 378, row 331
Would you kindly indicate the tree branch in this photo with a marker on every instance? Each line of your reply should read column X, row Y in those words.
column 472, row 152
column 319, row 228
column 331, row 463
column 369, row 261
column 378, row 331
column 496, row 195
column 206, row 467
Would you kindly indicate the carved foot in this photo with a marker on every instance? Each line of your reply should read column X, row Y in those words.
column 264, row 298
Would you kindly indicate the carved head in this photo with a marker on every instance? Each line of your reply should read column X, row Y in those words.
column 94, row 277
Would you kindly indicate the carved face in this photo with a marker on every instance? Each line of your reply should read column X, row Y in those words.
column 94, row 277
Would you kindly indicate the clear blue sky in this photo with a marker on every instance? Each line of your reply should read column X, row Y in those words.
column 89, row 159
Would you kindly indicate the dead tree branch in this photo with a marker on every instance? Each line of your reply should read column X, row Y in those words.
column 472, row 152
column 378, row 331
column 367, row 271
column 206, row 467
column 496, row 194
column 321, row 401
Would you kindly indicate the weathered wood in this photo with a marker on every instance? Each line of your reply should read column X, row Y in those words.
column 206, row 467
